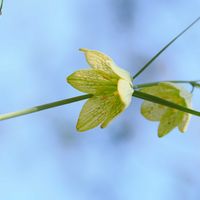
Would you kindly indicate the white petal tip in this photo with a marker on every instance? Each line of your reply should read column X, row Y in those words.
column 125, row 91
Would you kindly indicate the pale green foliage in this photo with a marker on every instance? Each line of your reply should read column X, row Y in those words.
column 110, row 85
column 169, row 118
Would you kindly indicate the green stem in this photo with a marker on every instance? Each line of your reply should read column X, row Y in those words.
column 136, row 93
column 193, row 83
column 1, row 6
column 164, row 48
column 164, row 102
column 43, row 107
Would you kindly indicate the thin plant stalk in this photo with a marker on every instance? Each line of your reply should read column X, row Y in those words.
column 43, row 107
column 1, row 6
column 165, row 47
column 136, row 94
column 164, row 102
column 192, row 83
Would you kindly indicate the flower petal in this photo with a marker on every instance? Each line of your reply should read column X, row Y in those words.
column 92, row 114
column 93, row 81
column 97, row 110
column 152, row 111
column 186, row 116
column 115, row 107
column 169, row 118
column 123, row 74
column 182, row 126
column 125, row 91
column 169, row 121
column 98, row 60
column 164, row 90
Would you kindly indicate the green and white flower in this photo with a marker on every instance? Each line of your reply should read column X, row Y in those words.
column 169, row 118
column 110, row 86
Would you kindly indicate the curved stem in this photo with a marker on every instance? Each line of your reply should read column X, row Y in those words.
column 43, row 107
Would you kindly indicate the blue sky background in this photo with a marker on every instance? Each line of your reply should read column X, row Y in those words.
column 41, row 155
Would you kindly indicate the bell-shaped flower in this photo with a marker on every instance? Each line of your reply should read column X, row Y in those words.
column 110, row 86
column 169, row 118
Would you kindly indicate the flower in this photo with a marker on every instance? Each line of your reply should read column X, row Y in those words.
column 110, row 86
column 169, row 118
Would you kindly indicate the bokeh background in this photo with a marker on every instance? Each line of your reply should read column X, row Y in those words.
column 41, row 155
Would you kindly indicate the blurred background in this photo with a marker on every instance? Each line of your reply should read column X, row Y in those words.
column 42, row 156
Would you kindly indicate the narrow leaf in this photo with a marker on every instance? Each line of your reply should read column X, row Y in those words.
column 164, row 48
column 1, row 6
column 164, row 102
